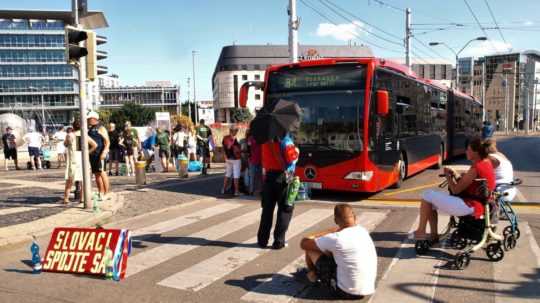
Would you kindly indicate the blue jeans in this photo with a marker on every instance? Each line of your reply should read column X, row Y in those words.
column 255, row 177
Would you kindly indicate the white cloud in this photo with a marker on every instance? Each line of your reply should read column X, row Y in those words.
column 528, row 23
column 478, row 49
column 341, row 32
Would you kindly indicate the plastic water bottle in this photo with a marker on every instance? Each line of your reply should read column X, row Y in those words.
column 36, row 259
column 108, row 260
column 293, row 191
column 95, row 199
column 123, row 169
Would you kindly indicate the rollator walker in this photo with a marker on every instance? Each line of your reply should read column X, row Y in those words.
column 469, row 234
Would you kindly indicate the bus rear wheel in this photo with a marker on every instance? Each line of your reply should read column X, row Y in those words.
column 402, row 165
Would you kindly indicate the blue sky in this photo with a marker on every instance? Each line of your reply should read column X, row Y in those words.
column 153, row 40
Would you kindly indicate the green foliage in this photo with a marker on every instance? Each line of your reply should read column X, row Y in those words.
column 241, row 115
column 182, row 120
column 137, row 114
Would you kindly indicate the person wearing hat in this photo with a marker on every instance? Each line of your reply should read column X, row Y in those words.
column 10, row 148
column 99, row 134
column 233, row 152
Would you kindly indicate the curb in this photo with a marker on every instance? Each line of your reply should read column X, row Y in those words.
column 103, row 215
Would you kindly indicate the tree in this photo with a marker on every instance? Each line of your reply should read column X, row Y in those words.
column 183, row 120
column 137, row 114
column 241, row 115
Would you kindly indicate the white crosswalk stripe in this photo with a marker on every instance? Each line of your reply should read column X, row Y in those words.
column 182, row 221
column 424, row 276
column 152, row 257
column 272, row 290
column 210, row 270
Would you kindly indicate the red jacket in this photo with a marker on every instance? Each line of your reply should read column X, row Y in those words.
column 274, row 159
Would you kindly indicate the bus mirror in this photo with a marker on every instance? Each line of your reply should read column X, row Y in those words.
column 244, row 90
column 383, row 105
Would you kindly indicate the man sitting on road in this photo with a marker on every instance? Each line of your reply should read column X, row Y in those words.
column 343, row 257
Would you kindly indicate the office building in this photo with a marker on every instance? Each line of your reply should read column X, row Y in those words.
column 109, row 81
column 240, row 63
column 161, row 98
column 35, row 80
column 508, row 84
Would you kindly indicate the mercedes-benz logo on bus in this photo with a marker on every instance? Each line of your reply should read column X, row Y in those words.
column 310, row 173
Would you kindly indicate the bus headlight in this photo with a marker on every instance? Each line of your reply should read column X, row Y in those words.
column 360, row 175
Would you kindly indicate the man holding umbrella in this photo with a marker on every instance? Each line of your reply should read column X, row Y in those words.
column 272, row 127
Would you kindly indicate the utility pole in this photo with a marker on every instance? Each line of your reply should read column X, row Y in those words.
column 408, row 36
column 188, row 97
column 506, row 114
column 87, row 186
column 43, row 112
column 534, row 115
column 194, row 87
column 526, row 109
column 484, row 91
column 293, row 32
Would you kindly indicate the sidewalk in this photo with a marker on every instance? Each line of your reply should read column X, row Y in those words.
column 28, row 201
column 73, row 215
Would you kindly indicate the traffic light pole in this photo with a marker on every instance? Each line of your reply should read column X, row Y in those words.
column 87, row 185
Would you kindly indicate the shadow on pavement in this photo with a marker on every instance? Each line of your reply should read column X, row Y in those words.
column 159, row 239
column 525, row 290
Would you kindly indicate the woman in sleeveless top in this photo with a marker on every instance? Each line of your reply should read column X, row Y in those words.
column 504, row 171
column 463, row 200
column 73, row 160
column 128, row 142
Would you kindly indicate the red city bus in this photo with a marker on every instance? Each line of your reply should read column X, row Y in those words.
column 369, row 123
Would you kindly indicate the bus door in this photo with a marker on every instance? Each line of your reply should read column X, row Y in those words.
column 384, row 149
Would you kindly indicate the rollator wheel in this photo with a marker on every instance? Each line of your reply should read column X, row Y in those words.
column 421, row 247
column 508, row 231
column 457, row 241
column 495, row 252
column 462, row 260
column 509, row 242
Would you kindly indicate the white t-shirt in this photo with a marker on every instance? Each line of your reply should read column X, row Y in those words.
column 179, row 137
column 356, row 259
column 34, row 139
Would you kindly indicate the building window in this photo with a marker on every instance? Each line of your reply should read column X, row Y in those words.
column 257, row 77
column 244, row 77
column 257, row 97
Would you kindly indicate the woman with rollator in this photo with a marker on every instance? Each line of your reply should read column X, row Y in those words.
column 462, row 201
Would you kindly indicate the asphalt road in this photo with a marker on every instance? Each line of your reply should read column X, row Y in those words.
column 203, row 250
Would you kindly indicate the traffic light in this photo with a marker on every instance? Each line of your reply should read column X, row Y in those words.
column 94, row 55
column 91, row 58
column 73, row 38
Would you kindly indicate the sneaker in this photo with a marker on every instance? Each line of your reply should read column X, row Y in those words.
column 237, row 194
column 278, row 245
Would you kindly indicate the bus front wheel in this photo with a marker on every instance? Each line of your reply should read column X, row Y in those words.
column 402, row 165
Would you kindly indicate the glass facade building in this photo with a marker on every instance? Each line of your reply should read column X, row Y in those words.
column 34, row 75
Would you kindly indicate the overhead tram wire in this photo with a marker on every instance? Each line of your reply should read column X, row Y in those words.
column 480, row 25
column 359, row 27
column 349, row 20
column 495, row 20
column 360, row 19
column 352, row 33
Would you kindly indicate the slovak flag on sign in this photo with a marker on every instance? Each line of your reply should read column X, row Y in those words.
column 82, row 250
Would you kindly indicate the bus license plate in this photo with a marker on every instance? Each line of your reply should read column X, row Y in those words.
column 313, row 185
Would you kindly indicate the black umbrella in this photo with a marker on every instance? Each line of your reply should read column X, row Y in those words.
column 275, row 120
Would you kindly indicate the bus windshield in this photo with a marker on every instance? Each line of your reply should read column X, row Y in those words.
column 332, row 101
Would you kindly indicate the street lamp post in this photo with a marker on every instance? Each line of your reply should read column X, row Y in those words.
column 194, row 87
column 457, row 54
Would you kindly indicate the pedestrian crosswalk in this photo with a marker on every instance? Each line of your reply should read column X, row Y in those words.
column 208, row 249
